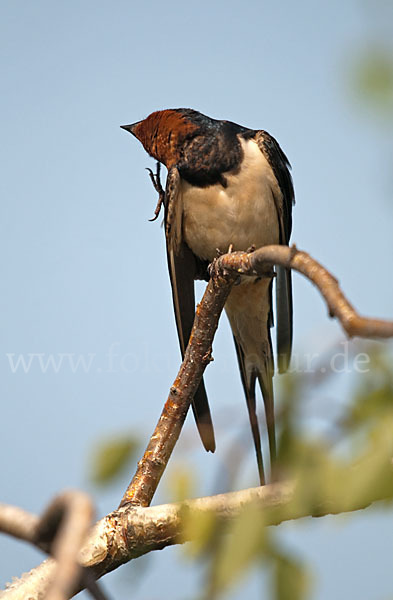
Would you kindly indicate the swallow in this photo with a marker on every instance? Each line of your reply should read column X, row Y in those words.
column 227, row 185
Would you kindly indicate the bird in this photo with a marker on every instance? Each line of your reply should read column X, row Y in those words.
column 227, row 186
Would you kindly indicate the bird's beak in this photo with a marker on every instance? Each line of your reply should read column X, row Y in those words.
column 130, row 128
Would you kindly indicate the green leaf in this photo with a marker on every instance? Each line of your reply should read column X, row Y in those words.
column 376, row 74
column 246, row 541
column 373, row 77
column 111, row 457
column 291, row 580
column 181, row 484
column 202, row 528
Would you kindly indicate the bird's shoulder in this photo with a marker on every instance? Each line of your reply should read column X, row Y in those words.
column 281, row 168
column 213, row 149
column 277, row 160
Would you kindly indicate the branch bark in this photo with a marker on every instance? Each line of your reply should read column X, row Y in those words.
column 198, row 355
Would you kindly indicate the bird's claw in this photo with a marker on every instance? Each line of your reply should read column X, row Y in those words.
column 156, row 181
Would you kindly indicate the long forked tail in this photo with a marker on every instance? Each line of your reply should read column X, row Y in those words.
column 264, row 376
column 200, row 407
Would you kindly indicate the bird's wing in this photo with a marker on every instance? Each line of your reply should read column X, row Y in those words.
column 183, row 269
column 284, row 201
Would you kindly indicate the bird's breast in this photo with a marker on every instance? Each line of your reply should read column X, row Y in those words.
column 242, row 214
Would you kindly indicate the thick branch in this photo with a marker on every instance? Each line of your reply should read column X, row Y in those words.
column 132, row 531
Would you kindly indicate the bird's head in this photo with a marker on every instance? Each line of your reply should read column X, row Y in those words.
column 163, row 133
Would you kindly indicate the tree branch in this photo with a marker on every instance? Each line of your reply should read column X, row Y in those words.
column 255, row 263
column 150, row 468
column 198, row 355
column 18, row 523
column 133, row 529
column 62, row 529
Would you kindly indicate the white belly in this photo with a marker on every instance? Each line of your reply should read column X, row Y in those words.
column 242, row 214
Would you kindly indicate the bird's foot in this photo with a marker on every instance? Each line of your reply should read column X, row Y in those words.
column 212, row 267
column 208, row 356
column 156, row 181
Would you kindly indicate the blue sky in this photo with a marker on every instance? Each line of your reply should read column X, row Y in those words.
column 84, row 272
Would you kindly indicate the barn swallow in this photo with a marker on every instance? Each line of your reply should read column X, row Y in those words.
column 226, row 185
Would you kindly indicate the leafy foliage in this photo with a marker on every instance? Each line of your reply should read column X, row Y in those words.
column 290, row 578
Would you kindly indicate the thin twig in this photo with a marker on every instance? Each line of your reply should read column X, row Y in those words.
column 291, row 258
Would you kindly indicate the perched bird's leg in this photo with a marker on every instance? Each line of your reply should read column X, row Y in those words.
column 220, row 252
column 156, row 181
column 207, row 358
column 212, row 268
